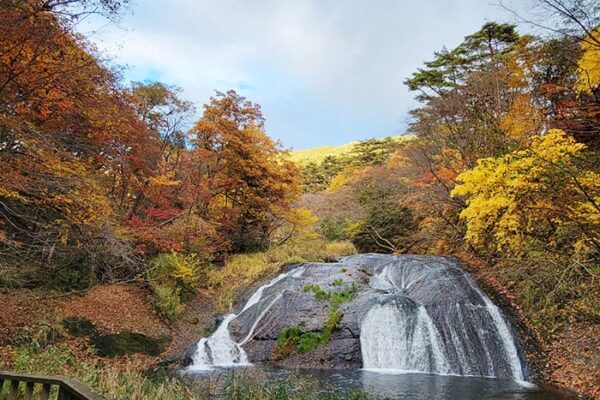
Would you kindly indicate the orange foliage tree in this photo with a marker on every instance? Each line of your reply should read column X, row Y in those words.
column 96, row 177
column 65, row 131
column 241, row 179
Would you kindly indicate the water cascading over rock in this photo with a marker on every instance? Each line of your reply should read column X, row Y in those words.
column 408, row 313
column 220, row 350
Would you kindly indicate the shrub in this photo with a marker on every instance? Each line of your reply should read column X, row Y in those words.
column 187, row 271
column 167, row 301
column 292, row 339
column 287, row 334
column 333, row 230
column 308, row 341
column 79, row 327
column 174, row 277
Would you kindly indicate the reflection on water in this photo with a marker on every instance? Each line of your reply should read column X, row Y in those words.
column 406, row 386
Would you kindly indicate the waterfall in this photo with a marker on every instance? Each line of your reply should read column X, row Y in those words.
column 506, row 337
column 396, row 337
column 432, row 318
column 220, row 350
column 409, row 313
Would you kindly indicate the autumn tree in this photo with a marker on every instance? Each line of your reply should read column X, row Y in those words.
column 572, row 41
column 387, row 222
column 65, row 131
column 451, row 68
column 540, row 205
column 545, row 193
column 242, row 180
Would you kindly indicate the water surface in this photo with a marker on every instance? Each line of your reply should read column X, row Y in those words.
column 404, row 386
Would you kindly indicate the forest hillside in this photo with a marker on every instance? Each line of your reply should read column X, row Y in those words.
column 318, row 154
column 119, row 198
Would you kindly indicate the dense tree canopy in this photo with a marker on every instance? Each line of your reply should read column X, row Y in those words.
column 98, row 176
column 503, row 166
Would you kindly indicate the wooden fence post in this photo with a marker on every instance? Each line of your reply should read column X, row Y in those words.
column 67, row 389
column 13, row 390
column 45, row 392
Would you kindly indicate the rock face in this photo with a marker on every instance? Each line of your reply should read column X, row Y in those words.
column 418, row 313
column 287, row 304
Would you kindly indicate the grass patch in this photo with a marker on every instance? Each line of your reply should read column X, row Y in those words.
column 102, row 378
column 244, row 269
column 318, row 292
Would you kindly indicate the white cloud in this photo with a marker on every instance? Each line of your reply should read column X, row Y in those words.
column 325, row 71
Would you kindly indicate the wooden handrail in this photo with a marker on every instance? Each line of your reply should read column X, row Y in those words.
column 68, row 389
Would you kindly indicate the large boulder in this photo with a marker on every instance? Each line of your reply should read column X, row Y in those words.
column 417, row 313
column 291, row 303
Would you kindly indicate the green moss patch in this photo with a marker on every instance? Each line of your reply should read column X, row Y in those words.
column 317, row 291
column 339, row 298
column 292, row 339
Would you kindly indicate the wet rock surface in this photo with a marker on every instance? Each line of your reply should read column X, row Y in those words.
column 292, row 306
column 419, row 313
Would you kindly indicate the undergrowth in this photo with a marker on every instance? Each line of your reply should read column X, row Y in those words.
column 244, row 269
column 174, row 278
column 119, row 384
column 109, row 381
column 553, row 292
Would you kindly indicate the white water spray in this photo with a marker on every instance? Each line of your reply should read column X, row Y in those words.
column 470, row 337
column 395, row 337
column 220, row 350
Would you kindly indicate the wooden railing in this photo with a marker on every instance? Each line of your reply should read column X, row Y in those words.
column 30, row 387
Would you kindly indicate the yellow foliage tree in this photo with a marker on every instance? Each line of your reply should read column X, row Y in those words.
column 589, row 64
column 522, row 118
column 542, row 195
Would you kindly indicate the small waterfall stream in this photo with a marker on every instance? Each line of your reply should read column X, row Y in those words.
column 220, row 350
column 412, row 313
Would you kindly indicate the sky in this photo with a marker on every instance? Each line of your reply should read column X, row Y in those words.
column 323, row 71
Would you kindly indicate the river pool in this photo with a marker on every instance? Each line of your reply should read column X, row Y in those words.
column 405, row 386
